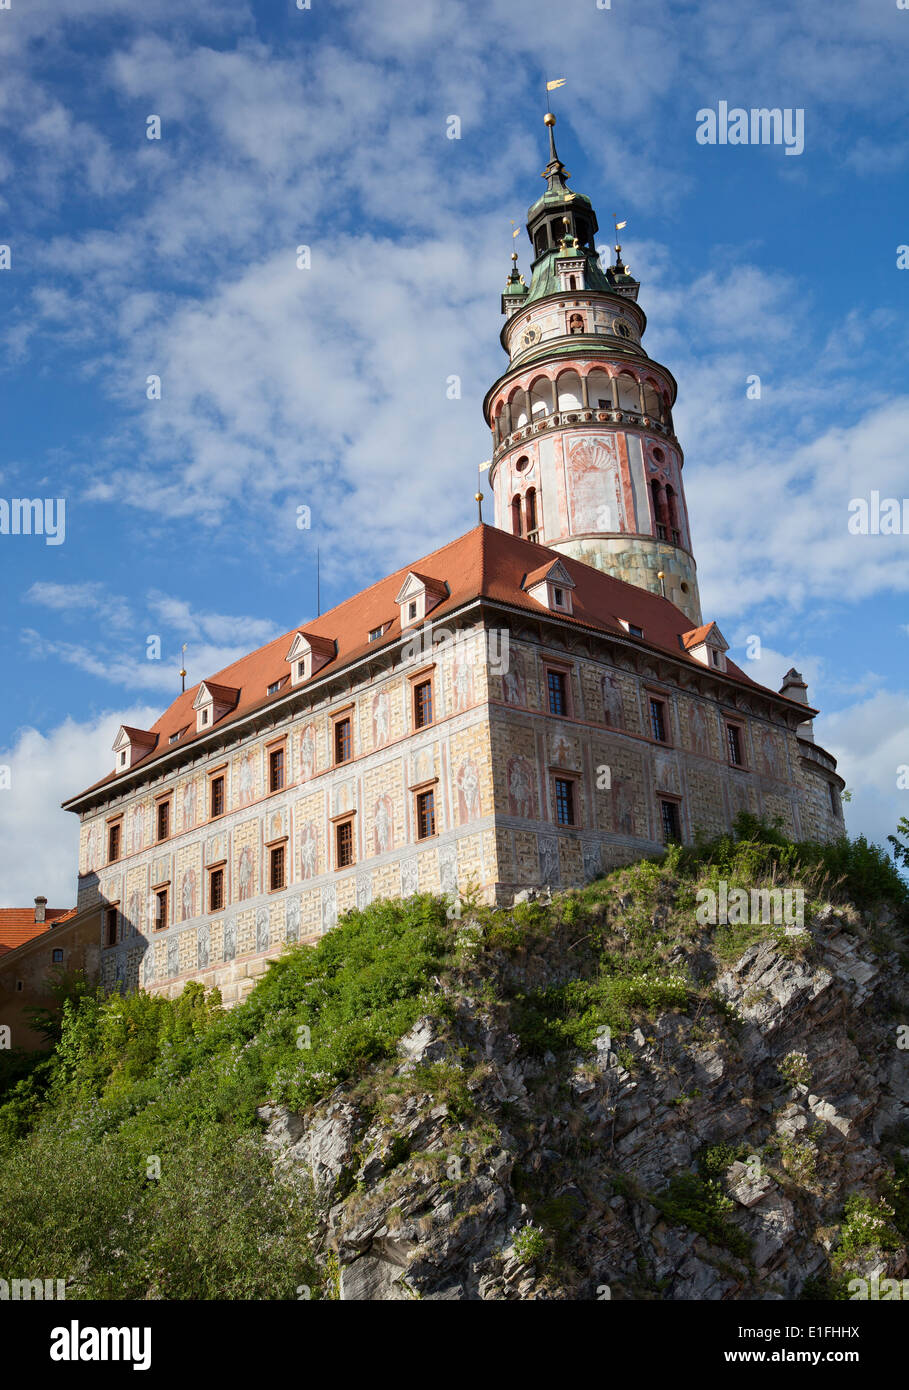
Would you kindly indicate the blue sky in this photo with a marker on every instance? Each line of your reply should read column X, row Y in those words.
column 326, row 387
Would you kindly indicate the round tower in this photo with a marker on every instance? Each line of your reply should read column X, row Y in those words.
column 585, row 459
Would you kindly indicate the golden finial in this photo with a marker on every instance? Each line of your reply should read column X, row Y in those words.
column 549, row 118
column 183, row 668
column 478, row 498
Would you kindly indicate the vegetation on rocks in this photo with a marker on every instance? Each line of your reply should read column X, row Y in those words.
column 516, row 1095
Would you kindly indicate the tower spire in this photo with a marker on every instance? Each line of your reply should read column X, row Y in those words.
column 555, row 172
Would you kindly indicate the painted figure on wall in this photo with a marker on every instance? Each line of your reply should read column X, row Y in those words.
column 521, row 798
column 467, row 780
column 188, row 894
column 382, row 827
column 307, row 752
column 245, row 872
column 247, row 778
column 613, row 706
column 514, row 687
column 189, row 805
column 698, row 727
column 622, row 807
column 137, row 821
column 309, row 850
column 381, row 718
column 462, row 683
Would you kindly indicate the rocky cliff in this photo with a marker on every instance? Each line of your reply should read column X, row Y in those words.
column 736, row 1128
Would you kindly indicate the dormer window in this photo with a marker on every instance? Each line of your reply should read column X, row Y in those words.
column 551, row 585
column 309, row 652
column 130, row 745
column 175, row 738
column 376, row 632
column 631, row 628
column 212, row 702
column 418, row 596
column 273, row 688
column 707, row 645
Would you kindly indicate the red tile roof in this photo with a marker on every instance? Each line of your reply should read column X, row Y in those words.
column 485, row 562
column 696, row 636
column 18, row 925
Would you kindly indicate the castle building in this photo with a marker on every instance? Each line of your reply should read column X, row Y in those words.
column 533, row 703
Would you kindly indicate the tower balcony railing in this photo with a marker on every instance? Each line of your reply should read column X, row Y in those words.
column 580, row 416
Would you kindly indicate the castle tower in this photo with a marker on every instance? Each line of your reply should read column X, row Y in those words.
column 585, row 459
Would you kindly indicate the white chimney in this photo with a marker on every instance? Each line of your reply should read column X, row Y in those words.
column 40, row 905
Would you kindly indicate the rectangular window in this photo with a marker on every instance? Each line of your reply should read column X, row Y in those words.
column 734, row 743
column 558, row 694
column 344, row 844
column 113, row 842
column 375, row 633
column 110, row 926
column 658, row 720
column 411, row 610
column 422, row 704
column 273, row 688
column 276, row 770
column 57, row 956
column 216, row 890
column 205, row 716
column 342, row 741
column 669, row 814
column 426, row 815
column 559, row 596
column 564, row 801
column 174, row 737
column 217, row 797
column 160, row 909
column 162, row 821
column 635, row 631
column 276, row 868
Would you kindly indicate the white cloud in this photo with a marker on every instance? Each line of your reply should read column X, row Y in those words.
column 870, row 740
column 41, row 841
column 81, row 599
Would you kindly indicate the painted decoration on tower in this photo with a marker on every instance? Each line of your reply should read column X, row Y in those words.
column 309, row 850
column 383, row 829
column 307, row 752
column 381, row 718
column 329, row 907
column 91, row 848
column 245, row 871
column 467, row 780
column 595, row 495
column 292, row 925
column 216, row 849
column 203, row 946
column 410, row 878
column 522, row 800
column 514, row 686
column 277, row 825
column 263, row 936
column 613, row 705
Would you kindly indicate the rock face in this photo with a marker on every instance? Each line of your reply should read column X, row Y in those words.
column 475, row 1170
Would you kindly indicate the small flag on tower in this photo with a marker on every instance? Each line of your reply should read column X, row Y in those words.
column 557, row 82
column 620, row 225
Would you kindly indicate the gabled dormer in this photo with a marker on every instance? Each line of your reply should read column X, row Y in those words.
column 130, row 745
column 418, row 596
column 212, row 702
column 570, row 265
column 551, row 585
column 308, row 654
column 707, row 645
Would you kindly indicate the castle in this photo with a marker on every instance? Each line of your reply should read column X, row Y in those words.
column 534, row 703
